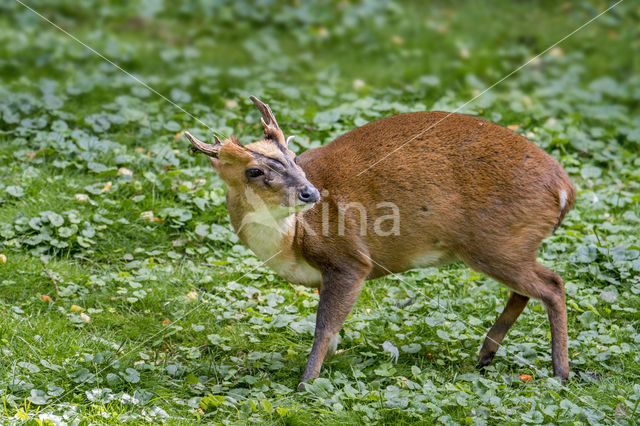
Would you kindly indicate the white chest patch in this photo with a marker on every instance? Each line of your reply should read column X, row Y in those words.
column 272, row 241
column 296, row 272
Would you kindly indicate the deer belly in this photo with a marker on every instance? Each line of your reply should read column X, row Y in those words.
column 430, row 258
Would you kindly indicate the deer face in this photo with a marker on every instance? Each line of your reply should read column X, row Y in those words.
column 263, row 173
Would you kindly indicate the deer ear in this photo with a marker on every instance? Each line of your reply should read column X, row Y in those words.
column 271, row 129
column 234, row 152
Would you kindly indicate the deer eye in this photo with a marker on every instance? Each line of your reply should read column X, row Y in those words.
column 254, row 173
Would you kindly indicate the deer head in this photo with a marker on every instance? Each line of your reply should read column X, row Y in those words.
column 265, row 169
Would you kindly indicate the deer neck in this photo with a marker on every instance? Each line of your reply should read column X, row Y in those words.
column 266, row 232
column 271, row 235
column 266, row 236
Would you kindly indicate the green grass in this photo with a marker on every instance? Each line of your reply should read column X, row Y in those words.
column 174, row 321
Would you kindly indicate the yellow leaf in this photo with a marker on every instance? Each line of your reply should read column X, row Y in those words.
column 77, row 309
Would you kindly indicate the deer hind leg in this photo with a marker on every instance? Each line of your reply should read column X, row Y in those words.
column 514, row 307
column 531, row 280
column 554, row 301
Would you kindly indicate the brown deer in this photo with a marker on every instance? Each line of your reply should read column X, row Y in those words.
column 407, row 191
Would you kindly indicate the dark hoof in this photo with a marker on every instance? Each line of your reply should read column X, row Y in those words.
column 302, row 387
column 485, row 360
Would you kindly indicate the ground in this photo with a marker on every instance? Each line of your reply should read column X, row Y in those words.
column 124, row 294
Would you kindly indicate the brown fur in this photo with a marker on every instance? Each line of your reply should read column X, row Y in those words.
column 466, row 189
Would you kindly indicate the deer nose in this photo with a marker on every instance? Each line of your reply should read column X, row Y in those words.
column 309, row 194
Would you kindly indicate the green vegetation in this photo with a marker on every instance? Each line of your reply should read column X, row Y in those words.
column 124, row 295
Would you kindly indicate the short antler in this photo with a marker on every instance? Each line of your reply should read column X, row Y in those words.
column 208, row 149
column 271, row 129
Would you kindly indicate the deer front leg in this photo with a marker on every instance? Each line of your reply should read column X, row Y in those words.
column 338, row 294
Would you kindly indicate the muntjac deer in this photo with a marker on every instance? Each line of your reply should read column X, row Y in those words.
column 407, row 191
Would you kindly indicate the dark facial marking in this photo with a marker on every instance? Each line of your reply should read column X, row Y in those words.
column 281, row 148
column 279, row 167
column 274, row 164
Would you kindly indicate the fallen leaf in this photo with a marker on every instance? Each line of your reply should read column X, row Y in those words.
column 526, row 378
column 402, row 382
column 396, row 39
column 76, row 309
column 147, row 216
column 86, row 318
column 3, row 258
column 124, row 172
column 107, row 187
column 192, row 295
column 82, row 198
column 46, row 298
column 556, row 52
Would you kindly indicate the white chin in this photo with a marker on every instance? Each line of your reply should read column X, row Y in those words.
column 302, row 207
